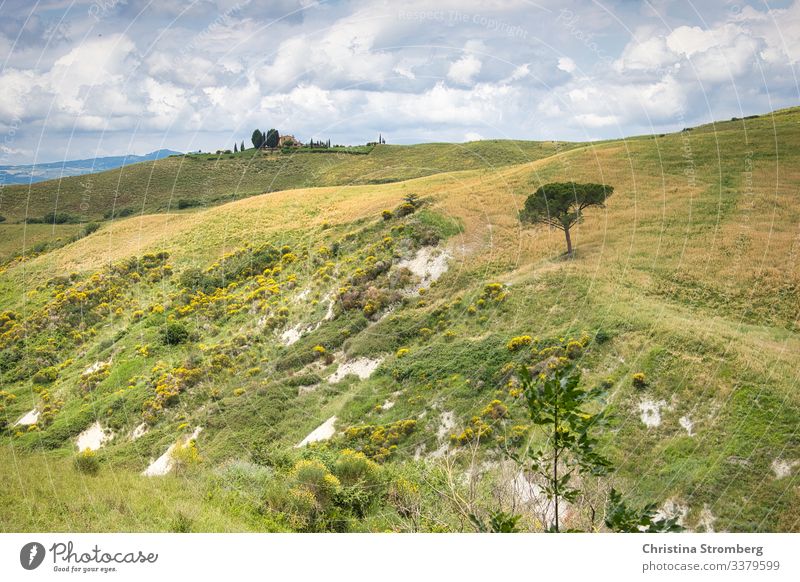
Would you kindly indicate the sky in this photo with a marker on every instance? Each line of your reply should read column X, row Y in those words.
column 81, row 79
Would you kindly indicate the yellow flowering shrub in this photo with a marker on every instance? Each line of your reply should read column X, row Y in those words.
column 167, row 386
column 185, row 455
column 518, row 342
column 87, row 462
column 476, row 431
column 494, row 292
column 495, row 410
column 378, row 442
column 314, row 477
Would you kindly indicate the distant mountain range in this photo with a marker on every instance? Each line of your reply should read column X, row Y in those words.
column 54, row 170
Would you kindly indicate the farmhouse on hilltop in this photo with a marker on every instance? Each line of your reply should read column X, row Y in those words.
column 288, row 141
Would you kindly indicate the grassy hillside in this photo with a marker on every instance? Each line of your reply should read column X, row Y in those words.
column 202, row 180
column 240, row 318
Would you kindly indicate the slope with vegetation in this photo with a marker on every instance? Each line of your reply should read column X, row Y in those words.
column 183, row 183
column 384, row 326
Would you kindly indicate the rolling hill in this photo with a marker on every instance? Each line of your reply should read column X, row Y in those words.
column 208, row 344
column 201, row 180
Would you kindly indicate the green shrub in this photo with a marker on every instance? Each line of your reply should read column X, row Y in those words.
column 90, row 228
column 602, row 336
column 182, row 523
column 639, row 381
column 45, row 375
column 174, row 333
column 183, row 203
column 405, row 209
column 353, row 468
column 314, row 477
column 86, row 462
column 238, row 475
column 55, row 218
column 360, row 479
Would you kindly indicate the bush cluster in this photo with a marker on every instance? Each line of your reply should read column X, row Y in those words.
column 378, row 441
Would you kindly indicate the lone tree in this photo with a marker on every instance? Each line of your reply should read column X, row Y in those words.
column 561, row 205
column 271, row 139
column 257, row 139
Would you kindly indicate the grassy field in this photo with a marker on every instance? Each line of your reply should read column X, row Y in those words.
column 201, row 180
column 689, row 276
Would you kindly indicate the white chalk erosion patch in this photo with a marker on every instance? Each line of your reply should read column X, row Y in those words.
column 163, row 464
column 387, row 404
column 293, row 334
column 31, row 417
column 446, row 424
column 93, row 438
column 361, row 367
column 322, row 433
column 95, row 367
column 139, row 431
column 651, row 412
column 782, row 468
column 532, row 495
column 706, row 519
column 329, row 313
column 687, row 424
column 429, row 264
column 672, row 509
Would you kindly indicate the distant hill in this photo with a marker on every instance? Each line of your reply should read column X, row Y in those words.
column 55, row 170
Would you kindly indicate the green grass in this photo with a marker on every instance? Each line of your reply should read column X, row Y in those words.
column 48, row 494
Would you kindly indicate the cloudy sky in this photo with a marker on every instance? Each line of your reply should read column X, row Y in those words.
column 80, row 79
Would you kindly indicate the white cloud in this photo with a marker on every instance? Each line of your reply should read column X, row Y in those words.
column 593, row 120
column 14, row 87
column 164, row 99
column 344, row 54
column 8, row 150
column 566, row 64
column 779, row 29
column 519, row 73
column 688, row 40
column 97, row 63
column 405, row 70
column 718, row 53
column 464, row 70
column 648, row 54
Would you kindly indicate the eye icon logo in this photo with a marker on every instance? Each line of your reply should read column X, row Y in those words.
column 31, row 555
